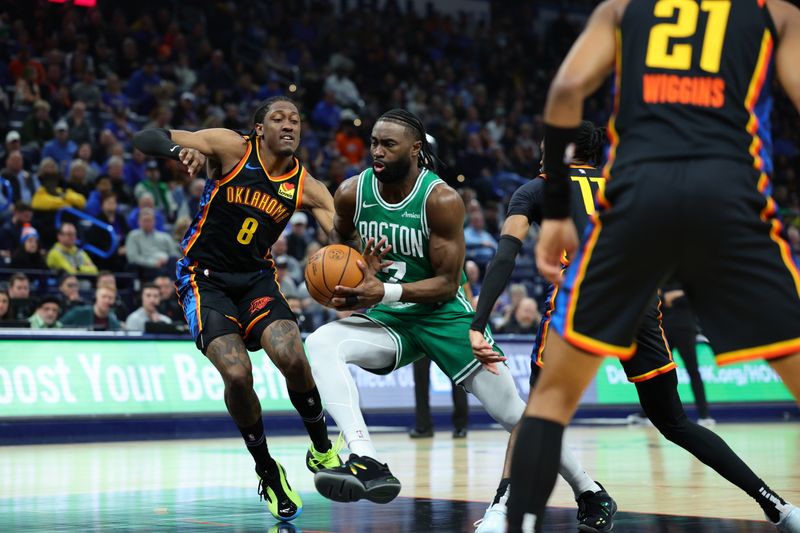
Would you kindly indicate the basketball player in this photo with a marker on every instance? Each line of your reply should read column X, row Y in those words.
column 652, row 370
column 227, row 282
column 688, row 178
column 419, row 305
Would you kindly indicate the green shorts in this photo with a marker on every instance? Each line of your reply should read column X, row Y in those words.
column 442, row 338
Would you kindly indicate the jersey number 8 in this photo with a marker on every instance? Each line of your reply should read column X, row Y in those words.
column 249, row 227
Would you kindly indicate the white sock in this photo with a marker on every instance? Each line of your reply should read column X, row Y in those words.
column 330, row 348
column 572, row 472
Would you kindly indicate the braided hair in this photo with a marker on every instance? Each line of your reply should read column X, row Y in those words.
column 589, row 143
column 427, row 157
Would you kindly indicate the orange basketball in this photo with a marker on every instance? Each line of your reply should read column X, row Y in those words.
column 332, row 265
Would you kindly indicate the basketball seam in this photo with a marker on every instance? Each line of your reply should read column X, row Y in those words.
column 314, row 286
column 344, row 270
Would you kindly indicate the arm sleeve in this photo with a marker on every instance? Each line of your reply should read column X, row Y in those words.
column 497, row 275
column 157, row 142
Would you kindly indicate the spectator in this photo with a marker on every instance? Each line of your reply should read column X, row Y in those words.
column 348, row 142
column 19, row 293
column 85, row 154
column 146, row 201
column 37, row 128
column 343, row 89
column 28, row 256
column 13, row 143
column 115, row 169
column 113, row 97
column 186, row 114
column 80, row 131
column 148, row 312
column 11, row 231
column 27, row 89
column 507, row 305
column 106, row 278
column 62, row 148
column 479, row 242
column 148, row 247
column 102, row 188
column 120, row 127
column 17, row 66
column 135, row 169
column 279, row 250
column 51, row 197
column 327, row 113
column 100, row 239
column 297, row 240
column 77, row 178
column 158, row 189
column 216, row 75
column 525, row 320
column 69, row 294
column 169, row 305
column 23, row 184
column 142, row 86
column 473, row 273
column 46, row 314
column 66, row 256
column 287, row 285
column 5, row 306
column 191, row 202
column 305, row 321
column 86, row 91
column 96, row 317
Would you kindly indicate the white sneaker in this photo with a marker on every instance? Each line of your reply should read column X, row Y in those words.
column 494, row 520
column 707, row 422
column 790, row 519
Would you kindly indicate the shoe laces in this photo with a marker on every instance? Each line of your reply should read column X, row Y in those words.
column 319, row 459
column 495, row 508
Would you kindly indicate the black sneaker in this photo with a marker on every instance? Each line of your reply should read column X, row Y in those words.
column 596, row 511
column 360, row 477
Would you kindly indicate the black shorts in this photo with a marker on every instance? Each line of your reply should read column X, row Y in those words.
column 653, row 356
column 249, row 301
column 709, row 223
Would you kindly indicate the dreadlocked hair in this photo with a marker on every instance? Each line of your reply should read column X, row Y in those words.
column 427, row 158
column 589, row 143
column 261, row 112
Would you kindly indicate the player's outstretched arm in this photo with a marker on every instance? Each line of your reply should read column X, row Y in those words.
column 222, row 144
column 317, row 199
column 787, row 22
column 344, row 204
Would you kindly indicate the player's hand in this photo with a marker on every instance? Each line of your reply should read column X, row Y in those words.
column 193, row 159
column 484, row 353
column 370, row 291
column 555, row 237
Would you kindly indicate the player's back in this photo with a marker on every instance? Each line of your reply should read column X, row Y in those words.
column 693, row 80
column 586, row 181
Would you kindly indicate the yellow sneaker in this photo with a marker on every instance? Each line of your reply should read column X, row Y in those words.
column 316, row 461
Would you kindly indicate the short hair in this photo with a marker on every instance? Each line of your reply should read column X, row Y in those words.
column 150, row 285
column 261, row 112
column 17, row 276
column 48, row 300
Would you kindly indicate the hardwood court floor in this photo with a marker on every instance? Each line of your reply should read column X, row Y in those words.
column 209, row 485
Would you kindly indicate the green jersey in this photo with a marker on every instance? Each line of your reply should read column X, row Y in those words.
column 405, row 227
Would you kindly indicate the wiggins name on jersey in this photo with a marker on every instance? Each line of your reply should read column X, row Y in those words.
column 242, row 214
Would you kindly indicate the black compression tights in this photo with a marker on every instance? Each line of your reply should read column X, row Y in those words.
column 660, row 401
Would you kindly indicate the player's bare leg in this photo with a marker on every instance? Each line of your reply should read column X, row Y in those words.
column 281, row 340
column 538, row 449
column 788, row 368
column 229, row 355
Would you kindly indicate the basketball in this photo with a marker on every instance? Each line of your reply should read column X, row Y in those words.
column 332, row 265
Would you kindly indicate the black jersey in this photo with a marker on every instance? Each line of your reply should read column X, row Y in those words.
column 693, row 80
column 527, row 200
column 242, row 214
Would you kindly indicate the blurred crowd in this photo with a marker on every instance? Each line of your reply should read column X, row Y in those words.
column 89, row 226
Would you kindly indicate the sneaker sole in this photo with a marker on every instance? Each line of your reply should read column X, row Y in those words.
column 346, row 489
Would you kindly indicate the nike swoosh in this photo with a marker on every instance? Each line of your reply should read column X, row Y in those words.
column 174, row 148
column 251, row 167
column 365, row 205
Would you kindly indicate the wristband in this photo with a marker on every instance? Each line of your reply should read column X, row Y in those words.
column 392, row 292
